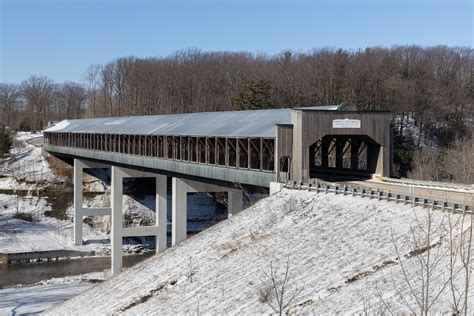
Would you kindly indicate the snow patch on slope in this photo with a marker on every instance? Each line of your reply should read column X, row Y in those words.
column 338, row 247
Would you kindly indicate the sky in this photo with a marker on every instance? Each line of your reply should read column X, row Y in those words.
column 61, row 38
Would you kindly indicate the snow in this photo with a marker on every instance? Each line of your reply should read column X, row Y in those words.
column 29, row 300
column 43, row 232
column 47, row 293
column 26, row 164
column 29, row 184
column 59, row 126
column 341, row 251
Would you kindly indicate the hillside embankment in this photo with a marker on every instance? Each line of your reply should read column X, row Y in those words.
column 342, row 254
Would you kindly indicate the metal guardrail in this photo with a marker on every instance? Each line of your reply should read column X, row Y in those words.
column 8, row 258
column 431, row 184
column 336, row 188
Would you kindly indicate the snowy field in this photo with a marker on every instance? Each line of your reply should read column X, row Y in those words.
column 345, row 254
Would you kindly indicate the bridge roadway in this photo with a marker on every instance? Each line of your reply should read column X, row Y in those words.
column 442, row 194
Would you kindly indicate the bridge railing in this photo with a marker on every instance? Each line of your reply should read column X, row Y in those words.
column 371, row 193
column 250, row 153
column 431, row 184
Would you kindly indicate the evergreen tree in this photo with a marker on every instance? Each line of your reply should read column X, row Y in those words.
column 5, row 141
column 255, row 94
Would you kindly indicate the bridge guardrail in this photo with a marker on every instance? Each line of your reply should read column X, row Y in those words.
column 336, row 188
column 434, row 184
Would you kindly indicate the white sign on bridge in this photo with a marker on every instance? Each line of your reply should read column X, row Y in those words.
column 346, row 123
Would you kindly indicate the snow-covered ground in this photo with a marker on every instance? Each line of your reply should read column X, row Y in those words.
column 343, row 257
column 31, row 300
column 26, row 163
column 42, row 232
column 47, row 293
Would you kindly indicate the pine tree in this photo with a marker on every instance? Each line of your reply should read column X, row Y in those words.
column 5, row 141
column 255, row 94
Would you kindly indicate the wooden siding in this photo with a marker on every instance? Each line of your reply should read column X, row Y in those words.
column 313, row 126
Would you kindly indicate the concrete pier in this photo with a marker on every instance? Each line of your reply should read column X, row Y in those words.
column 118, row 231
column 79, row 210
column 181, row 187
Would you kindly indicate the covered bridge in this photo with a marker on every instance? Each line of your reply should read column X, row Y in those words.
column 253, row 147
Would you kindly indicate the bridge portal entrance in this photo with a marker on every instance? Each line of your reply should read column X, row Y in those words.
column 347, row 156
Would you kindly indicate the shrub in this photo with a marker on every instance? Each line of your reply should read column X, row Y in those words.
column 24, row 216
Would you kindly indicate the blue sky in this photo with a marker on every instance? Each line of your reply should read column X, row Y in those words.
column 61, row 38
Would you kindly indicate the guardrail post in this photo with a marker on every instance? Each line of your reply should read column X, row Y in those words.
column 353, row 191
column 379, row 195
column 345, row 188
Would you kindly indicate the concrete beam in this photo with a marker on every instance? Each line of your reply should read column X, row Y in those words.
column 231, row 175
column 140, row 231
column 96, row 211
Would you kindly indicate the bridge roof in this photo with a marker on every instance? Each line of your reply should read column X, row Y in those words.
column 250, row 123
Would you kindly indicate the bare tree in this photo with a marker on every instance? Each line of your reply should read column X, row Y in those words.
column 9, row 103
column 38, row 92
column 92, row 80
column 458, row 161
column 281, row 292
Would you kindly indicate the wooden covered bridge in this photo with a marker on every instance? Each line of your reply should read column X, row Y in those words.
column 248, row 147
column 212, row 152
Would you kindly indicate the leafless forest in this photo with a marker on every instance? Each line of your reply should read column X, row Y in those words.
column 428, row 89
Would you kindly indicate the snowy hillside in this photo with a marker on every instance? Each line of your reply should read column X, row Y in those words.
column 342, row 254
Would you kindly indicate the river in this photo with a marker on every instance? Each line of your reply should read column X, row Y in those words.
column 29, row 273
column 203, row 211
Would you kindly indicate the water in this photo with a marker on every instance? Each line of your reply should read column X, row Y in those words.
column 29, row 273
column 203, row 211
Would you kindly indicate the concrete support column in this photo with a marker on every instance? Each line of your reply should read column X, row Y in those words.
column 116, row 219
column 179, row 211
column 117, row 229
column 181, row 188
column 78, row 198
column 79, row 210
column 161, row 212
column 234, row 202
